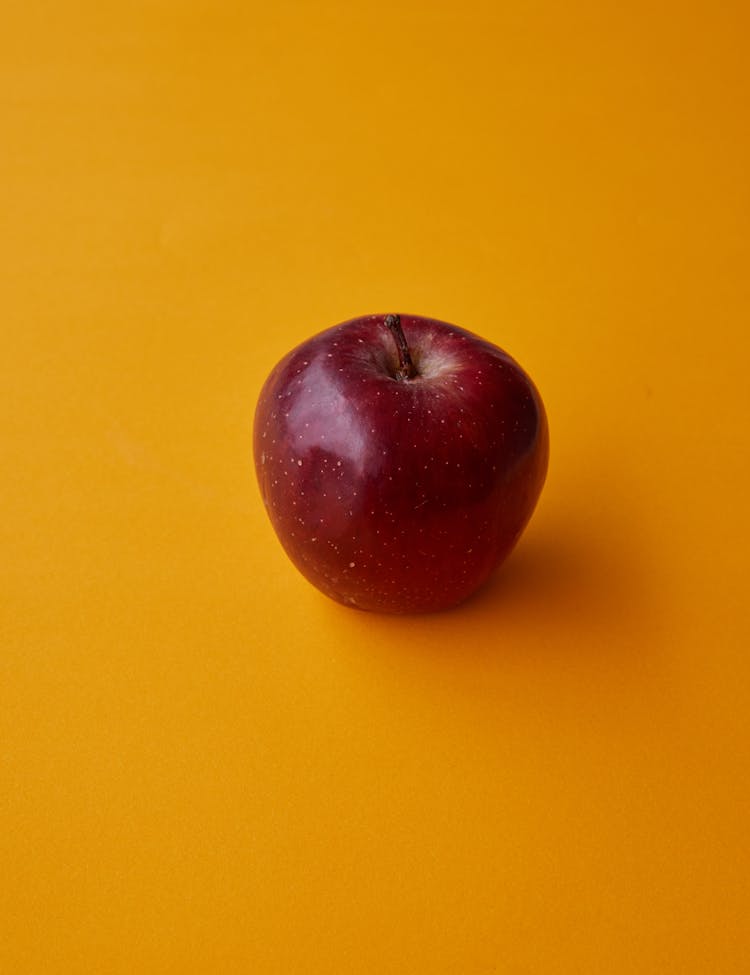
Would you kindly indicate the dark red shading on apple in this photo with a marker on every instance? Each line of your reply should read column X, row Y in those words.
column 399, row 459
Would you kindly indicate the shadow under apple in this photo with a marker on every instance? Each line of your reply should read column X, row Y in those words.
column 577, row 583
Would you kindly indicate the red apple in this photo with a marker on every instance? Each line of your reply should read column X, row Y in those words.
column 399, row 459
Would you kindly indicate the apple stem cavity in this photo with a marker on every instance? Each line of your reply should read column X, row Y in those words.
column 406, row 368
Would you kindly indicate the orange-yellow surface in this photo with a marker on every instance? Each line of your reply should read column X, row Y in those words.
column 205, row 766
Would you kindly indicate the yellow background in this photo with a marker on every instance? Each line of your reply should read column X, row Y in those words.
column 206, row 766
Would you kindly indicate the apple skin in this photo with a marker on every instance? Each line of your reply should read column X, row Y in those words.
column 399, row 495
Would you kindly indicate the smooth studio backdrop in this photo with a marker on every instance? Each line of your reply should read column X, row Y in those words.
column 205, row 766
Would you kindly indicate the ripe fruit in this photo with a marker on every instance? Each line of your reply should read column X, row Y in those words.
column 399, row 459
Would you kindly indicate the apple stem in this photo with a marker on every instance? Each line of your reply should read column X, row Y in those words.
column 406, row 367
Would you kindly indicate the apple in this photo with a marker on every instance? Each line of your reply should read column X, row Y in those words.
column 399, row 459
